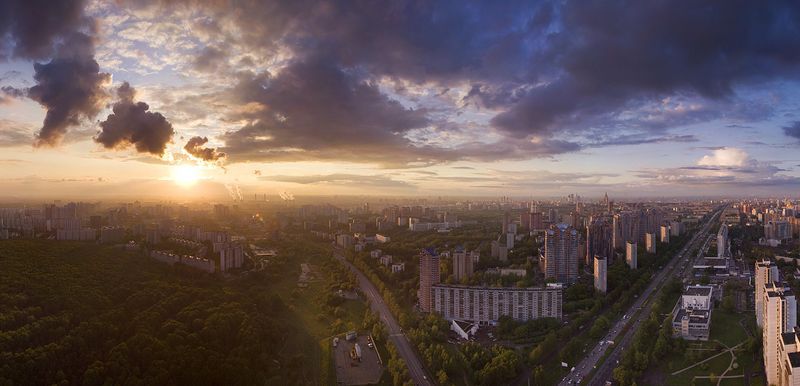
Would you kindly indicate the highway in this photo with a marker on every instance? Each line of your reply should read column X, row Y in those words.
column 643, row 303
column 395, row 333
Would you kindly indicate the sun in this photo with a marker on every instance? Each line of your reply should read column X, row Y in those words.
column 186, row 175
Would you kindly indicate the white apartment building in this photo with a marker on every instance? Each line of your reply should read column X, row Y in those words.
column 780, row 317
column 485, row 305
column 600, row 273
column 766, row 272
column 630, row 254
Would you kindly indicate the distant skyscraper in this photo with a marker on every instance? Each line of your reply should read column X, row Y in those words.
column 428, row 276
column 780, row 316
column 561, row 253
column 630, row 254
column 462, row 264
column 600, row 274
column 766, row 272
column 665, row 234
column 599, row 239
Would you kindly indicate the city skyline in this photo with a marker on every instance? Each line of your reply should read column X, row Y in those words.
column 327, row 98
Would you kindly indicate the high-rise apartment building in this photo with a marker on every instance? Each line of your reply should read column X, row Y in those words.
column 650, row 242
column 630, row 254
column 599, row 239
column 561, row 253
column 766, row 272
column 462, row 264
column 600, row 273
column 665, row 234
column 626, row 228
column 722, row 241
column 428, row 276
column 777, row 230
column 780, row 316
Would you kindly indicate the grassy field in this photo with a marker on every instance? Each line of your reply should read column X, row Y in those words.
column 725, row 327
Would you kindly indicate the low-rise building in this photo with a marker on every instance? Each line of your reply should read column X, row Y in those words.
column 691, row 318
column 398, row 267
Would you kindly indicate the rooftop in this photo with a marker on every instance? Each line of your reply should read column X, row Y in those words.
column 698, row 290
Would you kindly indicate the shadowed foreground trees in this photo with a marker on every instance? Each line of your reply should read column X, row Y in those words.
column 74, row 313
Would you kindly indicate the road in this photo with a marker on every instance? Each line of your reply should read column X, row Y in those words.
column 395, row 333
column 643, row 303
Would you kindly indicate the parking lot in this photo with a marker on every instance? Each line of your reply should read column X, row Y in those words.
column 352, row 372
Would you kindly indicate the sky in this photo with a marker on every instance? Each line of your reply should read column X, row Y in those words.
column 194, row 98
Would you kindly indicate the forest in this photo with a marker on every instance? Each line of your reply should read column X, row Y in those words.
column 84, row 314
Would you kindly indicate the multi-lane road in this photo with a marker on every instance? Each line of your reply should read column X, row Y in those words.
column 643, row 303
column 404, row 347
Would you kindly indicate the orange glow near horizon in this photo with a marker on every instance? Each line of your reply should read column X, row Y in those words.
column 186, row 175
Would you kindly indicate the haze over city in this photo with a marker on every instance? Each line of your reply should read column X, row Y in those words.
column 404, row 193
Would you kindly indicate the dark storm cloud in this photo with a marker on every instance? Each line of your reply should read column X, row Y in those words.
column 561, row 75
column 131, row 124
column 610, row 53
column 793, row 130
column 70, row 86
column 195, row 147
column 315, row 110
column 30, row 28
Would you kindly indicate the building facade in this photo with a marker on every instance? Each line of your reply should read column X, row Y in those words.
column 599, row 239
column 600, row 274
column 485, row 305
column 561, row 253
column 428, row 276
column 631, row 249
column 650, row 242
column 766, row 272
column 780, row 317
column 691, row 318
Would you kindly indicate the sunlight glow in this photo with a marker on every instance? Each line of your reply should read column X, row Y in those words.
column 186, row 175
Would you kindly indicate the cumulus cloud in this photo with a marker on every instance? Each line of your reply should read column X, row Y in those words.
column 131, row 124
column 195, row 147
column 71, row 88
column 727, row 156
column 723, row 168
column 69, row 85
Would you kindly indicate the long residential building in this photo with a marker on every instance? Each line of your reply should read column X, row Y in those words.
column 485, row 305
